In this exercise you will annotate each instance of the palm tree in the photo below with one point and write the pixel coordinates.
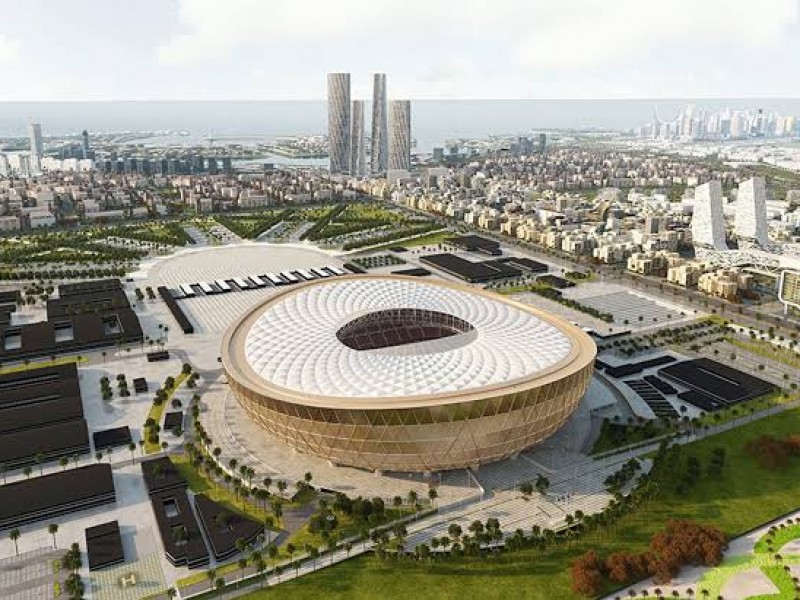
(242, 566)
(269, 521)
(211, 574)
(261, 566)
(39, 459)
(272, 553)
(14, 534)
(432, 495)
(282, 485)
(27, 471)
(64, 462)
(290, 548)
(52, 529)
(172, 592)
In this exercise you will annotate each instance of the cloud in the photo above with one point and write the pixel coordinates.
(494, 48)
(9, 49)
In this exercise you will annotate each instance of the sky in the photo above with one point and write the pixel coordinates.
(51, 50)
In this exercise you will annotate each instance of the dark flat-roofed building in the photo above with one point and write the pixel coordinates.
(158, 356)
(41, 414)
(104, 546)
(51, 442)
(473, 272)
(177, 525)
(85, 316)
(414, 272)
(475, 243)
(35, 397)
(10, 297)
(505, 269)
(140, 385)
(223, 527)
(177, 312)
(173, 420)
(716, 380)
(112, 438)
(634, 368)
(59, 493)
(178, 528)
(526, 264)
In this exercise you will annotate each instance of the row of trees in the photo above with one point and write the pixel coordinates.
(90, 273)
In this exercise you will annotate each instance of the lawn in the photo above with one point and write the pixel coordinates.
(743, 498)
(427, 239)
(156, 410)
(200, 485)
(768, 350)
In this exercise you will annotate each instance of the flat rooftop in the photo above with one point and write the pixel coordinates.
(104, 545)
(58, 493)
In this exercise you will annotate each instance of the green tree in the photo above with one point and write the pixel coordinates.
(14, 534)
(52, 529)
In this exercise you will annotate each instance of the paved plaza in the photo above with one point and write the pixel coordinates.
(224, 262)
(29, 576)
(130, 581)
(625, 305)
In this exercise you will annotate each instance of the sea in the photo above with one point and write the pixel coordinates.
(433, 121)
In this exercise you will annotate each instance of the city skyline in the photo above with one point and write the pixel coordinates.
(680, 49)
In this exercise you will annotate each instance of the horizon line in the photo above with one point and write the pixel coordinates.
(448, 99)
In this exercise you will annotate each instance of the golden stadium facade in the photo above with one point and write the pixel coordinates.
(402, 374)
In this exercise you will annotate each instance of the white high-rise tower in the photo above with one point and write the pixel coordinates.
(708, 221)
(37, 147)
(379, 146)
(400, 135)
(339, 122)
(750, 223)
(358, 146)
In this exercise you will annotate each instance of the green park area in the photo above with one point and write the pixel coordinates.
(420, 240)
(152, 439)
(250, 226)
(742, 497)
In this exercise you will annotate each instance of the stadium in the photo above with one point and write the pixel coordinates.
(393, 373)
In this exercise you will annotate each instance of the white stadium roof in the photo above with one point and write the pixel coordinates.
(293, 343)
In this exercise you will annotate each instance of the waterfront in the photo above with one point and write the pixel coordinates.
(435, 121)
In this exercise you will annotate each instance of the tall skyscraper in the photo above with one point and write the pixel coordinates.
(358, 145)
(339, 122)
(750, 223)
(400, 135)
(379, 146)
(708, 221)
(85, 144)
(37, 147)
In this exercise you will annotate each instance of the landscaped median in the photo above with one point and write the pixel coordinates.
(152, 443)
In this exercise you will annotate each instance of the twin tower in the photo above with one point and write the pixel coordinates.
(750, 222)
(390, 137)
